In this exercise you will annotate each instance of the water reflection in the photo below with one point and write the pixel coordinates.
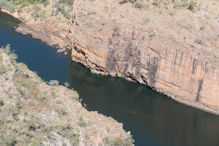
(153, 119)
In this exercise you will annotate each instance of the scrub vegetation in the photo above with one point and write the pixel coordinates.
(33, 112)
(64, 7)
(4, 4)
(168, 4)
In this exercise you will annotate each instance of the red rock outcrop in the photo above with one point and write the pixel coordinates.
(173, 51)
(113, 39)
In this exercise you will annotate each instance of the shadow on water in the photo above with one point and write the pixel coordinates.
(152, 118)
(8, 22)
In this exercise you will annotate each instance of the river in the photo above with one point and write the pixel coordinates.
(152, 118)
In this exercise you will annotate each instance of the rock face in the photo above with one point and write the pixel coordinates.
(175, 51)
(120, 40)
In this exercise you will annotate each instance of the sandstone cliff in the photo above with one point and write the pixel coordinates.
(177, 55)
(171, 48)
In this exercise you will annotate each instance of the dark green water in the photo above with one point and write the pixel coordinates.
(153, 119)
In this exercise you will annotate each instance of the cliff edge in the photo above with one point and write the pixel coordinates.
(174, 50)
(171, 46)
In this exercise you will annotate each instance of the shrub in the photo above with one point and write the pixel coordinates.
(188, 4)
(82, 122)
(13, 57)
(66, 84)
(67, 2)
(32, 125)
(10, 140)
(53, 83)
(27, 2)
(36, 12)
(65, 7)
(14, 111)
(192, 4)
(7, 5)
(1, 102)
(118, 141)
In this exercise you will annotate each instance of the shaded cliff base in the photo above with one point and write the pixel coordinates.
(175, 54)
(172, 49)
(197, 105)
(186, 102)
(33, 112)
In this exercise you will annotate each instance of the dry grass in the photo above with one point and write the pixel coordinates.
(33, 112)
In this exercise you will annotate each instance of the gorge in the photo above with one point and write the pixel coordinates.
(180, 61)
(169, 46)
(152, 118)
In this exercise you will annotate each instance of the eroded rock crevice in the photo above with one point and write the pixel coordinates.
(142, 45)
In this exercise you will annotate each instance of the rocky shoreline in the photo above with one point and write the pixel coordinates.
(33, 112)
(176, 55)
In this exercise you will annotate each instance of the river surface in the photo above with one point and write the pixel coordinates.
(152, 118)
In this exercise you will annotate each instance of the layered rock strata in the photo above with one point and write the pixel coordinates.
(174, 51)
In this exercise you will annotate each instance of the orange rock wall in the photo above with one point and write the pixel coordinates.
(138, 53)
